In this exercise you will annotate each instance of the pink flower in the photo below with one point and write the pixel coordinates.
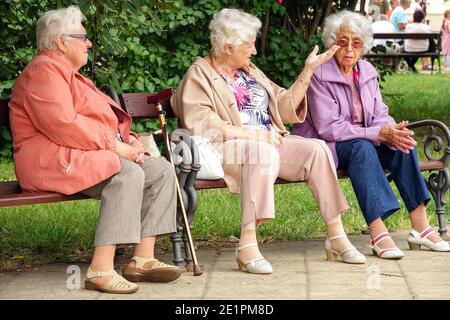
(280, 2)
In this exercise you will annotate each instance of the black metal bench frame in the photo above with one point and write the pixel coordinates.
(436, 36)
(143, 106)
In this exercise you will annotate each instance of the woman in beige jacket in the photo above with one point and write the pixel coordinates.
(229, 100)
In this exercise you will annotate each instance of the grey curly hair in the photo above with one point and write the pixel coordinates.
(55, 23)
(232, 26)
(352, 21)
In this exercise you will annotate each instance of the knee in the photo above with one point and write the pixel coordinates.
(263, 153)
(162, 168)
(319, 148)
(320, 144)
(135, 177)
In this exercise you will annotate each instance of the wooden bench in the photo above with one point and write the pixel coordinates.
(435, 36)
(143, 106)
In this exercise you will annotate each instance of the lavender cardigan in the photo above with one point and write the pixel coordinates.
(330, 104)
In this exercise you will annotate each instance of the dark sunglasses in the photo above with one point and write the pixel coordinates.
(80, 36)
(343, 43)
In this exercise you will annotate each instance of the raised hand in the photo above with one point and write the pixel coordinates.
(314, 60)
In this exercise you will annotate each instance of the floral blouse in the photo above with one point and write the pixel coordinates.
(252, 101)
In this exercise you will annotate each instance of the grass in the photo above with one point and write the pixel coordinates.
(65, 231)
(415, 97)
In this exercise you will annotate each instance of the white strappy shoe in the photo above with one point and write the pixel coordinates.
(117, 284)
(416, 239)
(348, 255)
(259, 266)
(387, 253)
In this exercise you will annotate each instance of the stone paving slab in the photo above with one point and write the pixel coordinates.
(301, 272)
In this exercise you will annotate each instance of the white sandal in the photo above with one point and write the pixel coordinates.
(387, 253)
(348, 255)
(416, 239)
(258, 266)
(117, 284)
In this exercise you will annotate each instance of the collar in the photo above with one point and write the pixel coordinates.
(52, 54)
(329, 72)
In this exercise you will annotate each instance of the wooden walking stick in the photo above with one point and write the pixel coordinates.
(162, 121)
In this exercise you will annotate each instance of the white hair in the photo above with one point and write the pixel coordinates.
(232, 26)
(352, 21)
(55, 23)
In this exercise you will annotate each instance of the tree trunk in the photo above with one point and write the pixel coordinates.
(264, 34)
(318, 12)
(363, 5)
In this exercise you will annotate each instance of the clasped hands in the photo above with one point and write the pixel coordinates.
(398, 135)
(133, 151)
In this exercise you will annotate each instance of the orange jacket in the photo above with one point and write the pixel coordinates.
(63, 128)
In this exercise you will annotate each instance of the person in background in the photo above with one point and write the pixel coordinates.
(226, 98)
(383, 25)
(416, 6)
(420, 5)
(423, 6)
(446, 39)
(69, 137)
(394, 4)
(377, 7)
(399, 18)
(412, 45)
(347, 111)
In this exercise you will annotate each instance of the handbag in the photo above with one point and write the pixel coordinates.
(149, 144)
(210, 164)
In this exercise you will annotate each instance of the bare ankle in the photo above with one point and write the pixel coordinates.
(98, 267)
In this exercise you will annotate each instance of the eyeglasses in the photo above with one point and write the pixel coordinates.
(80, 36)
(343, 43)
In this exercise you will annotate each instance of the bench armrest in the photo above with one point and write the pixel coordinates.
(435, 138)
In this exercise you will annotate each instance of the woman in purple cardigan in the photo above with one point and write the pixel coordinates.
(347, 111)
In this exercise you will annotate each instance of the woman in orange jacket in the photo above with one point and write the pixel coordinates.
(69, 137)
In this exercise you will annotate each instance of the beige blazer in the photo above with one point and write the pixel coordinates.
(206, 106)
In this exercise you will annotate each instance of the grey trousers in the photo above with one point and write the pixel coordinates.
(138, 202)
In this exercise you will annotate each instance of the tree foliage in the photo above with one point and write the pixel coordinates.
(147, 45)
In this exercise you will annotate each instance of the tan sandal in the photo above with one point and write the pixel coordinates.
(158, 272)
(116, 285)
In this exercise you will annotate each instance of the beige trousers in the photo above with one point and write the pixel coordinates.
(295, 159)
(138, 202)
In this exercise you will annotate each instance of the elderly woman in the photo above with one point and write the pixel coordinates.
(347, 111)
(70, 137)
(226, 98)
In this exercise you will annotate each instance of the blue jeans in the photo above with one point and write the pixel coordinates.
(365, 163)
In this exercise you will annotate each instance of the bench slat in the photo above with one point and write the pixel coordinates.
(220, 183)
(10, 187)
(405, 35)
(27, 198)
(401, 55)
(138, 105)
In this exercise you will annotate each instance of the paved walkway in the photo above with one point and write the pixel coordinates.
(300, 272)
